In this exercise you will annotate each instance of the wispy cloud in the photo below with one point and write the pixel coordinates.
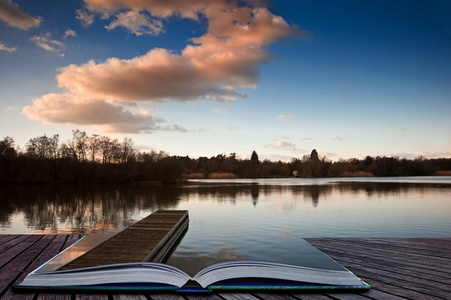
(286, 117)
(162, 9)
(6, 48)
(178, 128)
(337, 138)
(45, 41)
(220, 111)
(137, 22)
(280, 145)
(426, 154)
(11, 14)
(10, 110)
(69, 33)
(85, 18)
(234, 128)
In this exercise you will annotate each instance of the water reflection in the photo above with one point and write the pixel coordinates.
(78, 209)
(81, 209)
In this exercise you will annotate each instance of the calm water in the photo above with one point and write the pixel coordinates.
(353, 207)
(233, 218)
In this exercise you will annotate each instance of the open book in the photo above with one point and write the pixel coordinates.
(221, 276)
(244, 275)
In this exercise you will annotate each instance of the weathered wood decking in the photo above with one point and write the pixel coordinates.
(398, 268)
(147, 240)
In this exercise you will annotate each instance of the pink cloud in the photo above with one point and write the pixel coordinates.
(211, 67)
(137, 22)
(66, 109)
(12, 15)
(158, 8)
(227, 56)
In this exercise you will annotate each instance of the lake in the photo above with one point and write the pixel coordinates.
(232, 218)
(332, 207)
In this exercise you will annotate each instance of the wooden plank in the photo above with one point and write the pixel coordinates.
(128, 297)
(398, 268)
(382, 258)
(438, 246)
(203, 297)
(384, 272)
(56, 296)
(274, 296)
(139, 242)
(165, 296)
(239, 296)
(379, 295)
(314, 296)
(349, 296)
(91, 297)
(13, 247)
(6, 237)
(390, 248)
(15, 268)
(424, 261)
(70, 240)
(389, 288)
(40, 253)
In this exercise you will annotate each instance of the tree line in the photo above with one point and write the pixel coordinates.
(99, 159)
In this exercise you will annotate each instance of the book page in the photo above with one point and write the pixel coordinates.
(192, 260)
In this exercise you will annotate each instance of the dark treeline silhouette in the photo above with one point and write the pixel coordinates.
(99, 159)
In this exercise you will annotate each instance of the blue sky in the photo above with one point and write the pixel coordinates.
(201, 78)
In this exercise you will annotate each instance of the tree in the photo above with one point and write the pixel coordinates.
(127, 151)
(43, 147)
(94, 147)
(7, 147)
(314, 155)
(254, 158)
(79, 145)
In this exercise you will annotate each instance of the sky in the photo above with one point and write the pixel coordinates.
(200, 78)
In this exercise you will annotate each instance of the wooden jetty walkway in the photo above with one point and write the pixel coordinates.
(398, 268)
(150, 239)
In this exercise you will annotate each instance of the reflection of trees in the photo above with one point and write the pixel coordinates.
(77, 208)
(93, 207)
(254, 193)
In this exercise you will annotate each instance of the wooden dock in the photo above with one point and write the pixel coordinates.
(397, 268)
(150, 239)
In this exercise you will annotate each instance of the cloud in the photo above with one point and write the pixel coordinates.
(220, 111)
(46, 42)
(286, 117)
(429, 155)
(287, 146)
(137, 22)
(156, 76)
(70, 32)
(234, 128)
(12, 15)
(211, 67)
(337, 138)
(178, 128)
(234, 45)
(107, 117)
(85, 18)
(163, 9)
(10, 110)
(6, 48)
